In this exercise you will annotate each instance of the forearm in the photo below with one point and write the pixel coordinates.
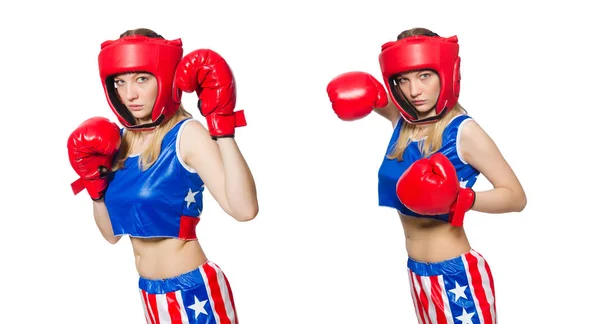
(240, 189)
(103, 222)
(389, 112)
(498, 201)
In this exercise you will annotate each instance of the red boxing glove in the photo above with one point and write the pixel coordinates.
(207, 73)
(430, 187)
(92, 147)
(353, 95)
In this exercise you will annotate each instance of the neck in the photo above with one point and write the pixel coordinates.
(148, 133)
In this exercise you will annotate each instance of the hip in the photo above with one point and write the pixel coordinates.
(202, 295)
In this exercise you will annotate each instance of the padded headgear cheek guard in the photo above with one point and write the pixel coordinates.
(422, 53)
(137, 53)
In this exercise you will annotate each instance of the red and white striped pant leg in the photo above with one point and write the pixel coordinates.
(219, 292)
(481, 284)
(429, 300)
(165, 308)
(459, 290)
(201, 296)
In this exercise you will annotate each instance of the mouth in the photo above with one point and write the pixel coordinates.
(419, 102)
(136, 107)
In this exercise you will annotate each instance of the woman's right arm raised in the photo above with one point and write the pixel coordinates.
(103, 222)
(389, 112)
(354, 95)
(91, 147)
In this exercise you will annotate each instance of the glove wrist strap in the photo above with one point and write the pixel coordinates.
(224, 125)
(464, 202)
(95, 187)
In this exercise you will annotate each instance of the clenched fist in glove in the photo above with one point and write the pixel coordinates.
(430, 187)
(354, 95)
(92, 147)
(207, 73)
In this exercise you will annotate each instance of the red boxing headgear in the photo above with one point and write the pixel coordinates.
(417, 53)
(137, 53)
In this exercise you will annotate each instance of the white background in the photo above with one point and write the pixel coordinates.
(320, 250)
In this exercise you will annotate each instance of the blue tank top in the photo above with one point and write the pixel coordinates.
(391, 169)
(163, 201)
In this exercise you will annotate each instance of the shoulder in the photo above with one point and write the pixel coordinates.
(397, 122)
(469, 128)
(454, 127)
(459, 121)
(474, 139)
(127, 137)
(123, 131)
(193, 136)
(191, 127)
(191, 130)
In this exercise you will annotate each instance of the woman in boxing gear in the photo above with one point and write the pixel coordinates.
(147, 180)
(433, 158)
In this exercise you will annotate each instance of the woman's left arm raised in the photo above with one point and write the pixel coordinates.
(223, 169)
(479, 150)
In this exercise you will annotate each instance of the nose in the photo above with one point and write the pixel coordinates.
(131, 92)
(415, 89)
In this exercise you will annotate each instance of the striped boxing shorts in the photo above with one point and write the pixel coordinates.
(457, 291)
(201, 296)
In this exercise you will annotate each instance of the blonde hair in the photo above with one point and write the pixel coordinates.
(152, 151)
(433, 136)
(149, 155)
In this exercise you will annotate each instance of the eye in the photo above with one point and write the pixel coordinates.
(118, 83)
(425, 75)
(142, 79)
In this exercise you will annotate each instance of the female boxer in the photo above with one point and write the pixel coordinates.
(433, 158)
(160, 163)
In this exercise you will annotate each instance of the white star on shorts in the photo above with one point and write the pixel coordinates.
(458, 292)
(198, 307)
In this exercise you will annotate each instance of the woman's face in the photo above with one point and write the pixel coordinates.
(421, 89)
(137, 92)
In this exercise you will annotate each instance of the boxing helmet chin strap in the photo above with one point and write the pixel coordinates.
(147, 126)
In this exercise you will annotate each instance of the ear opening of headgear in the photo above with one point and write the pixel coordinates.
(422, 52)
(137, 53)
